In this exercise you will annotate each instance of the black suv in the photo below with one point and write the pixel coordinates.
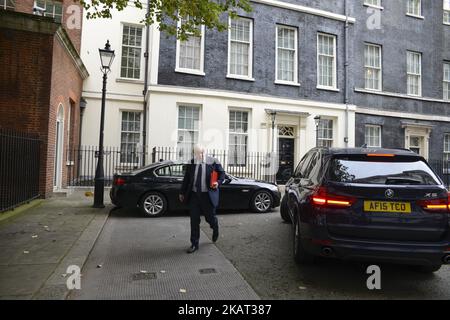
(368, 204)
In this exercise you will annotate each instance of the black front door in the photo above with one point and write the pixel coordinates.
(286, 159)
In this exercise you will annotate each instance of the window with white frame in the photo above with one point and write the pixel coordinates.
(373, 136)
(131, 52)
(7, 4)
(287, 54)
(238, 138)
(53, 9)
(376, 3)
(414, 71)
(188, 130)
(190, 52)
(447, 11)
(416, 144)
(447, 147)
(240, 48)
(326, 60)
(414, 7)
(373, 71)
(325, 133)
(446, 82)
(130, 137)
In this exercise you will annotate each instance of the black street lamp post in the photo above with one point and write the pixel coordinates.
(106, 58)
(317, 121)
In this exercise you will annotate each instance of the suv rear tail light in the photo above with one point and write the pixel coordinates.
(119, 181)
(381, 155)
(321, 198)
(436, 205)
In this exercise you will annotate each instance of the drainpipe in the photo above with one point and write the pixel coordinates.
(83, 105)
(346, 73)
(144, 129)
(273, 117)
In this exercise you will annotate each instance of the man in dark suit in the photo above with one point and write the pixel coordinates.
(200, 195)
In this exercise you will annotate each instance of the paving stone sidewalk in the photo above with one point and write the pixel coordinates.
(38, 245)
(142, 258)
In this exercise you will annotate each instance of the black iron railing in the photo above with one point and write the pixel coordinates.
(83, 162)
(253, 165)
(19, 168)
(442, 169)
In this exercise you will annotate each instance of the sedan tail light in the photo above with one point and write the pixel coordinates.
(119, 181)
(441, 205)
(322, 198)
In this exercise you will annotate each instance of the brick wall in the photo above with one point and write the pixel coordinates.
(26, 60)
(25, 6)
(38, 75)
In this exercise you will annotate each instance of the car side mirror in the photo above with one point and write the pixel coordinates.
(306, 182)
(227, 181)
(296, 180)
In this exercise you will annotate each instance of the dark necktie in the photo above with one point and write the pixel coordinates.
(198, 182)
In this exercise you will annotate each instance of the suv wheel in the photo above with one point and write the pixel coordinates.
(284, 210)
(300, 255)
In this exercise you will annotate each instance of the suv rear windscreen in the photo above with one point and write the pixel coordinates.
(381, 172)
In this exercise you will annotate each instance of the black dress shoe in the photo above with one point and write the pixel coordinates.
(192, 249)
(215, 235)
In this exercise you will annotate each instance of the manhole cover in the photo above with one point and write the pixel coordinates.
(144, 276)
(207, 271)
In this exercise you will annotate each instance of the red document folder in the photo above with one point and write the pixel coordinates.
(214, 178)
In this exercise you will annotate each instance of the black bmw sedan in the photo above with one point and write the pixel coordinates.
(154, 189)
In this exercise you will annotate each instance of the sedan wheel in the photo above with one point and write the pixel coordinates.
(153, 204)
(262, 201)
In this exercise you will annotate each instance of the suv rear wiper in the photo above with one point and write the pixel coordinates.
(397, 180)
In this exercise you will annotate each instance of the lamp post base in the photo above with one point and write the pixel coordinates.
(99, 189)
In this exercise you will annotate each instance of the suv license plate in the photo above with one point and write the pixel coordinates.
(387, 206)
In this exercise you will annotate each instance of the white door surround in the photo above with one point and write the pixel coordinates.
(417, 137)
(59, 148)
(288, 120)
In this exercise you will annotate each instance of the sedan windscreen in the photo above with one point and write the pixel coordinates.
(379, 172)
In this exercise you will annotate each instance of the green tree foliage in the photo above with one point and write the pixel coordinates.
(165, 12)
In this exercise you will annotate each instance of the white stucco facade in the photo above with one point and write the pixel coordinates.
(123, 94)
(214, 106)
